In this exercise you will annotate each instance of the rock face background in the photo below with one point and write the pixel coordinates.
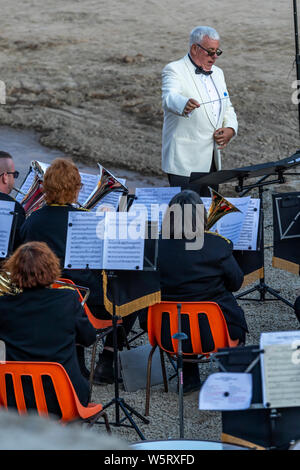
(88, 74)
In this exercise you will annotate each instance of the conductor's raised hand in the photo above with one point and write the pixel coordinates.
(190, 106)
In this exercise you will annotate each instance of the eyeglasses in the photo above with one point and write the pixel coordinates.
(15, 173)
(211, 53)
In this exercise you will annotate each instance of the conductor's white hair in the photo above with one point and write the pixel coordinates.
(198, 33)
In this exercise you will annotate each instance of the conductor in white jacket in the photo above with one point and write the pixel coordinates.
(199, 119)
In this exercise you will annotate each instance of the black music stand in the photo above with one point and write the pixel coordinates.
(10, 247)
(266, 170)
(150, 263)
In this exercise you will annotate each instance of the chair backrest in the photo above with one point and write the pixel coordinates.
(97, 323)
(203, 323)
(68, 401)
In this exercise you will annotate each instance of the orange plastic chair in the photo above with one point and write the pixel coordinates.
(71, 408)
(192, 315)
(102, 327)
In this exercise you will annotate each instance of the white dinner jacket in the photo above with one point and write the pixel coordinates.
(187, 141)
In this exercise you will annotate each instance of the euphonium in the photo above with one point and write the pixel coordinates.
(106, 184)
(34, 198)
(218, 208)
(6, 286)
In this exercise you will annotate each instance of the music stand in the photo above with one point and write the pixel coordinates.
(150, 263)
(266, 170)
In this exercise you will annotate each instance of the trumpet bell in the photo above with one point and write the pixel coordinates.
(218, 208)
(106, 184)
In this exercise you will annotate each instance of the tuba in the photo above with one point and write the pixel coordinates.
(106, 184)
(34, 198)
(218, 208)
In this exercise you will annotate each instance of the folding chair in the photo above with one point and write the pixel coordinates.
(71, 408)
(102, 327)
(202, 322)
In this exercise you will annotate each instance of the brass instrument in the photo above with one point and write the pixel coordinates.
(218, 208)
(6, 286)
(34, 198)
(106, 184)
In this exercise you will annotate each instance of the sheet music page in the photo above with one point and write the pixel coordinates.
(84, 247)
(154, 201)
(89, 182)
(124, 241)
(6, 220)
(280, 368)
(248, 235)
(226, 391)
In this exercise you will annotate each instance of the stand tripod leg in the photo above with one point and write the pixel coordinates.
(117, 401)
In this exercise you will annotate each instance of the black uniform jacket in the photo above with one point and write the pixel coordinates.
(49, 224)
(20, 218)
(208, 274)
(44, 324)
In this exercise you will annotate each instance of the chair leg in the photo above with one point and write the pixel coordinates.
(163, 369)
(148, 385)
(93, 360)
(95, 418)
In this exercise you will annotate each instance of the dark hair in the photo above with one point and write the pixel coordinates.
(5, 154)
(61, 182)
(33, 264)
(174, 219)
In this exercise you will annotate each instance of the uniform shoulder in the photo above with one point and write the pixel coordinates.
(217, 236)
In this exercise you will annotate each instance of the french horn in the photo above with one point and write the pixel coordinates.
(106, 184)
(218, 208)
(34, 198)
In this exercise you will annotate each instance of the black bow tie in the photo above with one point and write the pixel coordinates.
(199, 70)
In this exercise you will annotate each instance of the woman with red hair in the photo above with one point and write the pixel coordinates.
(41, 323)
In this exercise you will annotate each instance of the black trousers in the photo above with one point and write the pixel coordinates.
(184, 182)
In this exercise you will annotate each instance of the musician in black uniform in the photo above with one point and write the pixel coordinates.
(207, 274)
(41, 323)
(8, 174)
(61, 185)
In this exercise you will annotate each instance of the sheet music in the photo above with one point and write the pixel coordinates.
(280, 368)
(6, 220)
(248, 235)
(226, 391)
(154, 201)
(84, 247)
(124, 241)
(105, 240)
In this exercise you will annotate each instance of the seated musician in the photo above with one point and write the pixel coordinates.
(61, 185)
(8, 174)
(207, 274)
(40, 323)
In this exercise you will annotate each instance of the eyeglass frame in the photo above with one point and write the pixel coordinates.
(15, 173)
(218, 52)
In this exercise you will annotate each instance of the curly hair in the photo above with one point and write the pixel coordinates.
(33, 264)
(61, 182)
